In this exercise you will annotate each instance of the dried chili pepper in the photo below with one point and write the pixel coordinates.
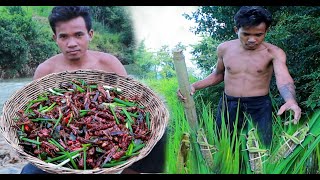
(61, 122)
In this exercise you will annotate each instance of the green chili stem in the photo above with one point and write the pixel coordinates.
(58, 121)
(31, 141)
(85, 155)
(131, 114)
(119, 161)
(114, 114)
(42, 119)
(38, 147)
(93, 86)
(28, 107)
(128, 116)
(84, 110)
(42, 108)
(64, 155)
(40, 99)
(54, 92)
(72, 161)
(49, 108)
(128, 156)
(57, 144)
(130, 148)
(138, 147)
(128, 125)
(148, 120)
(130, 104)
(111, 164)
(80, 89)
(70, 158)
(118, 90)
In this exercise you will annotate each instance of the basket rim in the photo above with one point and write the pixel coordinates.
(128, 163)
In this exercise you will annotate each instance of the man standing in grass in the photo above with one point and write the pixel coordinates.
(246, 66)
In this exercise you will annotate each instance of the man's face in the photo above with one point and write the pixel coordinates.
(252, 37)
(73, 38)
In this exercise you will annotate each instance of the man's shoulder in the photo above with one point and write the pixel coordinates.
(222, 47)
(273, 48)
(103, 56)
(47, 64)
(228, 43)
(46, 67)
(52, 59)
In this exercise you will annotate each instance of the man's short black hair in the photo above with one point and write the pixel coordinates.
(66, 13)
(249, 16)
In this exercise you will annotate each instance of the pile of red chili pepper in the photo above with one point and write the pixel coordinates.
(83, 126)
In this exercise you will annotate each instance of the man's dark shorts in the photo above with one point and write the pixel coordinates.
(258, 107)
(154, 162)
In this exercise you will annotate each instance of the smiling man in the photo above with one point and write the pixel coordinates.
(246, 66)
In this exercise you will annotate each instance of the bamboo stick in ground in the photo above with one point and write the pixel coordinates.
(184, 86)
(189, 105)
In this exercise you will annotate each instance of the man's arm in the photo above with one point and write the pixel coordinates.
(41, 71)
(215, 77)
(113, 64)
(285, 84)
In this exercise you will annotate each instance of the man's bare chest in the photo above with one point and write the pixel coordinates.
(250, 64)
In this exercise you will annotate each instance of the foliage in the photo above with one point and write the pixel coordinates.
(108, 42)
(157, 64)
(204, 53)
(164, 56)
(231, 153)
(19, 45)
(116, 20)
(214, 21)
(145, 65)
(312, 84)
(11, 55)
(303, 55)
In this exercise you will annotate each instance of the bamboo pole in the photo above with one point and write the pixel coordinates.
(189, 107)
(184, 86)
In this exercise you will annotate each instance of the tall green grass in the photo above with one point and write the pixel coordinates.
(231, 156)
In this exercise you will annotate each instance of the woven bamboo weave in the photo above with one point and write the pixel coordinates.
(130, 87)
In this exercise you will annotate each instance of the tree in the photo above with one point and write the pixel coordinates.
(23, 43)
(116, 20)
(144, 64)
(165, 59)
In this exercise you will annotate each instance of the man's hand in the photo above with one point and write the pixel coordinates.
(290, 105)
(181, 97)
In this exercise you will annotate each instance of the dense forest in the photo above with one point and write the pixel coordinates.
(26, 37)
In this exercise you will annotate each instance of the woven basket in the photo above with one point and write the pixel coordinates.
(158, 113)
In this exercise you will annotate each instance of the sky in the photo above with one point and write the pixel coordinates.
(164, 25)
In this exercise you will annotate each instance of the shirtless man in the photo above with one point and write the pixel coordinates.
(246, 66)
(73, 37)
(72, 32)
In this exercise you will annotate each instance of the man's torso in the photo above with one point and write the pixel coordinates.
(247, 73)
